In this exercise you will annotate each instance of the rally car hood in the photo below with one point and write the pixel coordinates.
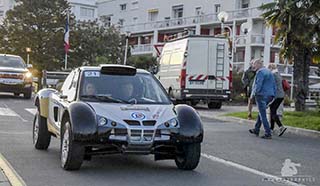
(118, 113)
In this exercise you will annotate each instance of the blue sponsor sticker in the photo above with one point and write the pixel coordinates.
(138, 115)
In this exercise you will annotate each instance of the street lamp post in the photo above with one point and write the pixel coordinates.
(245, 28)
(28, 50)
(128, 34)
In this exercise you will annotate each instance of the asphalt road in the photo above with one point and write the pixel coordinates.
(230, 156)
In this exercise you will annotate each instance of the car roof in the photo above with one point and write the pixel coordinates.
(10, 55)
(85, 68)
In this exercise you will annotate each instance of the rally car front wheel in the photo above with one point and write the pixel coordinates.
(189, 156)
(41, 135)
(72, 153)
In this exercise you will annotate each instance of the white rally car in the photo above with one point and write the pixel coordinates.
(116, 109)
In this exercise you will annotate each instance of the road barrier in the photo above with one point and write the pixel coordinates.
(49, 79)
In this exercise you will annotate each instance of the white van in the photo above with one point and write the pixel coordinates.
(197, 68)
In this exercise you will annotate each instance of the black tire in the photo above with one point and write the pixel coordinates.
(194, 103)
(41, 135)
(214, 105)
(71, 153)
(16, 94)
(189, 157)
(27, 95)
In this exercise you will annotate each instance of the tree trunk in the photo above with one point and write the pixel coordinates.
(301, 78)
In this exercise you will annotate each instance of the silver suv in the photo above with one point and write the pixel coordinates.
(15, 76)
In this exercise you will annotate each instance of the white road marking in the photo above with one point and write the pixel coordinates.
(6, 111)
(32, 111)
(275, 179)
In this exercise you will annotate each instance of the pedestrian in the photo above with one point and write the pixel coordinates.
(247, 81)
(279, 97)
(263, 90)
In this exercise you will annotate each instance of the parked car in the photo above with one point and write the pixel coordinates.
(116, 109)
(15, 76)
(196, 68)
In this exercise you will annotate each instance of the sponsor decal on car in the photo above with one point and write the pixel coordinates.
(138, 115)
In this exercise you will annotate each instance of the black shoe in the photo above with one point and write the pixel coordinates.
(282, 130)
(266, 137)
(253, 131)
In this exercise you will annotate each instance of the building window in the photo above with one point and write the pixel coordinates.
(135, 5)
(217, 8)
(198, 11)
(86, 12)
(245, 3)
(177, 11)
(1, 13)
(123, 7)
(121, 22)
(106, 20)
(153, 15)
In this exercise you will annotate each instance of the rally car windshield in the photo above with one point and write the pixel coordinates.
(138, 89)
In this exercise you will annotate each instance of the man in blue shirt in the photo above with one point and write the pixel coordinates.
(264, 90)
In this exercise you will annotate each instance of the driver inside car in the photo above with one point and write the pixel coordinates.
(89, 89)
(126, 90)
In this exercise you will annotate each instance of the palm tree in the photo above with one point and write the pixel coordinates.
(298, 33)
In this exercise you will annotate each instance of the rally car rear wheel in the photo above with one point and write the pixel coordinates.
(41, 136)
(189, 157)
(72, 153)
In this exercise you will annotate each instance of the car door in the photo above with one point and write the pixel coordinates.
(57, 104)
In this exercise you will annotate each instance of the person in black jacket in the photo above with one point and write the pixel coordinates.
(247, 81)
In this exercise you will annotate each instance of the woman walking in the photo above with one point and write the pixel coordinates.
(274, 118)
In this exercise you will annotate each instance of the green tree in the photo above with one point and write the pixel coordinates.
(37, 24)
(92, 44)
(298, 31)
(142, 61)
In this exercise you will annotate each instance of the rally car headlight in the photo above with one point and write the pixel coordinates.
(28, 75)
(173, 122)
(102, 121)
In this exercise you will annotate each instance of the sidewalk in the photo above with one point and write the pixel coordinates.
(220, 115)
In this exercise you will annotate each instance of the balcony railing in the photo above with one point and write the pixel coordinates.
(189, 21)
(240, 40)
(142, 49)
(257, 39)
(287, 69)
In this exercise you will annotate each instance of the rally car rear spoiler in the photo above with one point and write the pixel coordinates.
(118, 70)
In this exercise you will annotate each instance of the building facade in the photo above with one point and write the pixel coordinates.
(84, 10)
(150, 21)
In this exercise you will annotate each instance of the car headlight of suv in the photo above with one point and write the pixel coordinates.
(172, 122)
(28, 75)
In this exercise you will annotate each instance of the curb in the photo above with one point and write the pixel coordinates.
(11, 177)
(292, 130)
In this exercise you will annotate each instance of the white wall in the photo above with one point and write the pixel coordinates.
(112, 7)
